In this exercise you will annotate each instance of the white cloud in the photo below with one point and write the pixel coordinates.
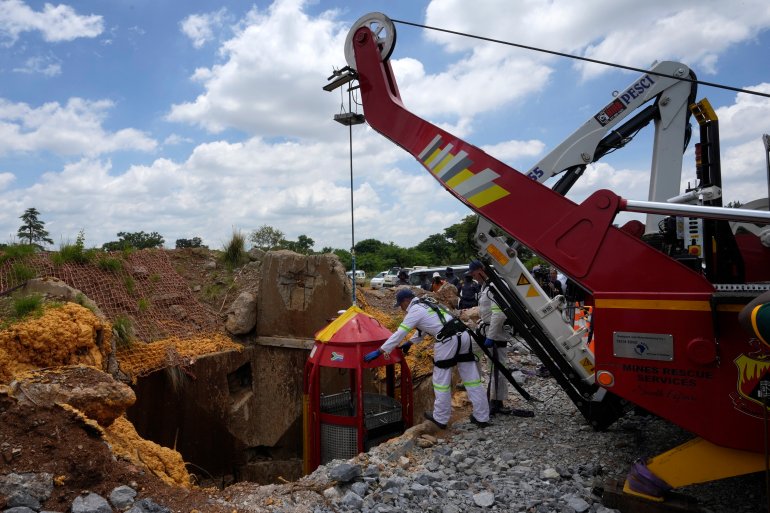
(299, 188)
(623, 31)
(747, 117)
(47, 66)
(6, 179)
(270, 80)
(55, 23)
(174, 139)
(480, 83)
(71, 129)
(510, 151)
(200, 27)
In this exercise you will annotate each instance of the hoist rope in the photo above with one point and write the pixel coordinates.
(586, 59)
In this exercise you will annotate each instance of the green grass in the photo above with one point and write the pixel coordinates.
(74, 253)
(111, 264)
(25, 305)
(143, 304)
(129, 283)
(123, 329)
(16, 252)
(21, 272)
(212, 290)
(234, 252)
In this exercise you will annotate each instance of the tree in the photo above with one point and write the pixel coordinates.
(195, 242)
(32, 228)
(266, 237)
(462, 234)
(368, 246)
(303, 245)
(136, 240)
(438, 247)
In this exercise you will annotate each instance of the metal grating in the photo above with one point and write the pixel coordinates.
(341, 442)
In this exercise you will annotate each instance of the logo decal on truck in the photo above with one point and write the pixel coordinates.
(610, 112)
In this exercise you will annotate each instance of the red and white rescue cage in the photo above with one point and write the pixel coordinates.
(351, 414)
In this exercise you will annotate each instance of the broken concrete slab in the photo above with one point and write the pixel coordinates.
(299, 294)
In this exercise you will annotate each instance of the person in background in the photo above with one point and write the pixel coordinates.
(438, 282)
(450, 277)
(454, 350)
(554, 285)
(469, 292)
(403, 278)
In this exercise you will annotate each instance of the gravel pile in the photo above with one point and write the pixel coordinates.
(552, 462)
(25, 493)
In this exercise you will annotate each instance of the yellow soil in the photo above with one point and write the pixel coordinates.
(143, 359)
(165, 463)
(64, 335)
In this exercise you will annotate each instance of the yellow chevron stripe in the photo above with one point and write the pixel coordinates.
(459, 178)
(443, 163)
(432, 156)
(654, 304)
(487, 196)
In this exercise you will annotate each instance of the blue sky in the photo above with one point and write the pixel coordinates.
(196, 119)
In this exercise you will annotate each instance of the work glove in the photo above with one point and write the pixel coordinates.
(489, 342)
(406, 346)
(368, 357)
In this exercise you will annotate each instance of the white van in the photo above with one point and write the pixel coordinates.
(360, 276)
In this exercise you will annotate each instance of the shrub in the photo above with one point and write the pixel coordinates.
(111, 264)
(25, 305)
(235, 251)
(75, 253)
(21, 272)
(17, 252)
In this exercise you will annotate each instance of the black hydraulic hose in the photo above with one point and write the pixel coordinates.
(499, 366)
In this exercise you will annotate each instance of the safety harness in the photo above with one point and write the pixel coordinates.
(452, 328)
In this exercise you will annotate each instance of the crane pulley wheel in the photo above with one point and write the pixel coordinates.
(382, 27)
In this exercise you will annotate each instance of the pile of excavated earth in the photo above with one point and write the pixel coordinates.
(66, 443)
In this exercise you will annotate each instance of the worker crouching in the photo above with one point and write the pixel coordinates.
(452, 347)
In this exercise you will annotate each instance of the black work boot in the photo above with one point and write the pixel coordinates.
(496, 406)
(429, 415)
(478, 422)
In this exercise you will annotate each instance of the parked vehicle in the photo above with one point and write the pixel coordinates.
(360, 276)
(391, 277)
(422, 277)
(378, 281)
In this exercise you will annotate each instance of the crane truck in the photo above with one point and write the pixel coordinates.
(665, 296)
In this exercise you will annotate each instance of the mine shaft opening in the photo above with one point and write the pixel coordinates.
(176, 408)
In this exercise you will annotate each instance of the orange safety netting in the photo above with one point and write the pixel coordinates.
(145, 288)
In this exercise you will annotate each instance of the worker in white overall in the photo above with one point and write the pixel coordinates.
(492, 321)
(427, 319)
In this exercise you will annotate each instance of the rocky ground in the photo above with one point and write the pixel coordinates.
(53, 460)
(552, 462)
